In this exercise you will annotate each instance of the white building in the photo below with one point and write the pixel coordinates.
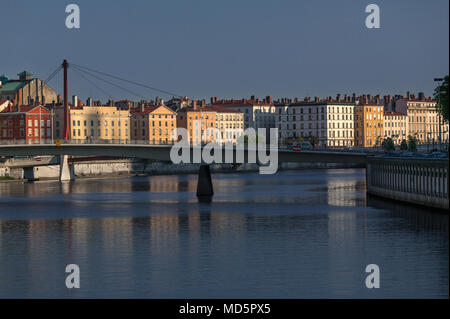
(331, 122)
(395, 126)
(257, 114)
(423, 118)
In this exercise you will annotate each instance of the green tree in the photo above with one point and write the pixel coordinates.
(313, 140)
(412, 144)
(388, 144)
(404, 145)
(443, 98)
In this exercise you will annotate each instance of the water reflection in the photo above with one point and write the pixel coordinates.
(296, 235)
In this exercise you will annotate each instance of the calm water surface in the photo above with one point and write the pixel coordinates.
(296, 234)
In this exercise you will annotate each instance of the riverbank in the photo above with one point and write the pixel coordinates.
(122, 168)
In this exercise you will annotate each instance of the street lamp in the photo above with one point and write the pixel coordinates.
(439, 103)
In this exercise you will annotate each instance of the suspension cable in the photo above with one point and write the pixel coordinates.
(111, 83)
(129, 81)
(93, 83)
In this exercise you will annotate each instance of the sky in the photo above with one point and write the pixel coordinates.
(233, 48)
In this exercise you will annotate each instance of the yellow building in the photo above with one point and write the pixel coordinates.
(369, 131)
(198, 121)
(94, 124)
(153, 124)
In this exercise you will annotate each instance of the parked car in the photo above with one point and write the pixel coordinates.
(301, 146)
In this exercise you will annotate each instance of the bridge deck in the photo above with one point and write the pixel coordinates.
(162, 152)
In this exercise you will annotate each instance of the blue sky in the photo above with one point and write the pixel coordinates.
(233, 48)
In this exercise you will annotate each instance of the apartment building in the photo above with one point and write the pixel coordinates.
(94, 123)
(257, 113)
(229, 122)
(329, 121)
(395, 126)
(369, 131)
(29, 124)
(197, 121)
(153, 124)
(423, 118)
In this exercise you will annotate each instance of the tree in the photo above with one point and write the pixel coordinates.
(313, 140)
(412, 144)
(388, 144)
(443, 98)
(404, 145)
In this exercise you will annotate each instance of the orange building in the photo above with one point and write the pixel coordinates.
(153, 124)
(369, 129)
(197, 121)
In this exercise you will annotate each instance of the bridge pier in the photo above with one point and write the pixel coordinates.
(65, 171)
(205, 190)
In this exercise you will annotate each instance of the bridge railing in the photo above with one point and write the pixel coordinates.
(420, 181)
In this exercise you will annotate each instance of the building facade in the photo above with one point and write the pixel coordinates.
(330, 123)
(153, 124)
(229, 123)
(257, 113)
(395, 126)
(29, 124)
(369, 131)
(198, 121)
(423, 119)
(94, 124)
(27, 90)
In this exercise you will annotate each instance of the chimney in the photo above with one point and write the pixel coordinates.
(338, 97)
(316, 99)
(252, 97)
(408, 95)
(194, 105)
(74, 100)
(212, 100)
(268, 99)
(58, 99)
(421, 96)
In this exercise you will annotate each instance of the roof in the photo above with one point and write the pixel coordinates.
(13, 85)
(221, 109)
(25, 73)
(238, 103)
(21, 109)
(323, 102)
(370, 104)
(4, 78)
(198, 109)
(391, 113)
(149, 109)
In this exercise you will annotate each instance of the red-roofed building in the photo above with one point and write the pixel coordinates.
(29, 124)
(153, 124)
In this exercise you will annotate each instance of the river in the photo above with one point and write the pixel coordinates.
(296, 234)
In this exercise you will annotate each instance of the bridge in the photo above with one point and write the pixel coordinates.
(163, 153)
(404, 179)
